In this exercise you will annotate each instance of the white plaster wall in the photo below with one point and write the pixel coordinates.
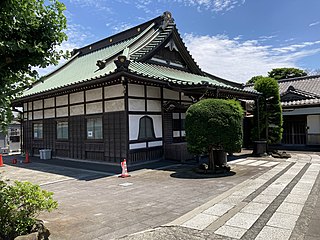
(176, 133)
(134, 125)
(29, 106)
(136, 90)
(313, 122)
(94, 94)
(136, 105)
(114, 105)
(154, 105)
(49, 102)
(62, 100)
(92, 108)
(37, 105)
(175, 115)
(77, 110)
(77, 97)
(114, 91)
(30, 116)
(185, 98)
(25, 116)
(302, 111)
(62, 112)
(153, 92)
(49, 113)
(38, 114)
(169, 94)
(137, 145)
(25, 106)
(155, 144)
(157, 124)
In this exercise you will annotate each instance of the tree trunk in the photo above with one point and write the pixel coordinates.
(211, 164)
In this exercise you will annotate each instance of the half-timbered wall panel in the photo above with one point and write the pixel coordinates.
(135, 90)
(153, 92)
(92, 108)
(62, 112)
(77, 110)
(154, 106)
(94, 94)
(170, 94)
(49, 102)
(114, 105)
(137, 105)
(62, 100)
(37, 105)
(49, 113)
(113, 91)
(38, 114)
(77, 97)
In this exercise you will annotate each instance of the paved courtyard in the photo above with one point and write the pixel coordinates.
(263, 198)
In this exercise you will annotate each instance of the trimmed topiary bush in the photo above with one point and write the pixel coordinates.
(214, 124)
(270, 111)
(20, 204)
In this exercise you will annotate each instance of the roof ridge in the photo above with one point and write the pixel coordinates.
(300, 78)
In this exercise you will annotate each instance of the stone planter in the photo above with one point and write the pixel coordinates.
(260, 148)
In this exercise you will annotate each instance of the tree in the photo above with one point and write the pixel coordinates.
(254, 79)
(20, 204)
(270, 111)
(30, 32)
(214, 124)
(284, 73)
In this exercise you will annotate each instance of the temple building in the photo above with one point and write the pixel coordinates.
(123, 97)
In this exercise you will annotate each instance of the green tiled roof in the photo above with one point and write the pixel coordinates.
(82, 67)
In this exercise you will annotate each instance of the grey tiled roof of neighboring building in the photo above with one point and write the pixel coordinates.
(308, 86)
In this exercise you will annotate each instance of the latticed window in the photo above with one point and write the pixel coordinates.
(94, 128)
(62, 130)
(37, 130)
(146, 129)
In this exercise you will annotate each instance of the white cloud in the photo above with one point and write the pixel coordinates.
(101, 5)
(314, 24)
(214, 5)
(240, 60)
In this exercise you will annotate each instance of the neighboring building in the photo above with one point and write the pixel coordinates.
(11, 142)
(122, 97)
(300, 99)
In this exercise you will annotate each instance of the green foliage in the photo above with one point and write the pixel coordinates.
(270, 111)
(254, 79)
(284, 73)
(30, 32)
(20, 204)
(214, 124)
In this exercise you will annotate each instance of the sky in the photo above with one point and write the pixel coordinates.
(232, 39)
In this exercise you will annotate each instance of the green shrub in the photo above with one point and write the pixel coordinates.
(20, 204)
(214, 124)
(270, 111)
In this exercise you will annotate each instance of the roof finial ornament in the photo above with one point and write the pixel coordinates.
(122, 63)
(166, 19)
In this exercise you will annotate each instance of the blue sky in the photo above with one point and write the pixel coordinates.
(233, 39)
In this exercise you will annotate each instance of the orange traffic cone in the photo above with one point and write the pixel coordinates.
(124, 173)
(27, 158)
(1, 161)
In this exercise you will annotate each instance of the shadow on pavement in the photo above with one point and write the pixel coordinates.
(191, 174)
(81, 170)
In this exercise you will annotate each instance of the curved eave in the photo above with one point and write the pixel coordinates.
(70, 87)
(186, 85)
